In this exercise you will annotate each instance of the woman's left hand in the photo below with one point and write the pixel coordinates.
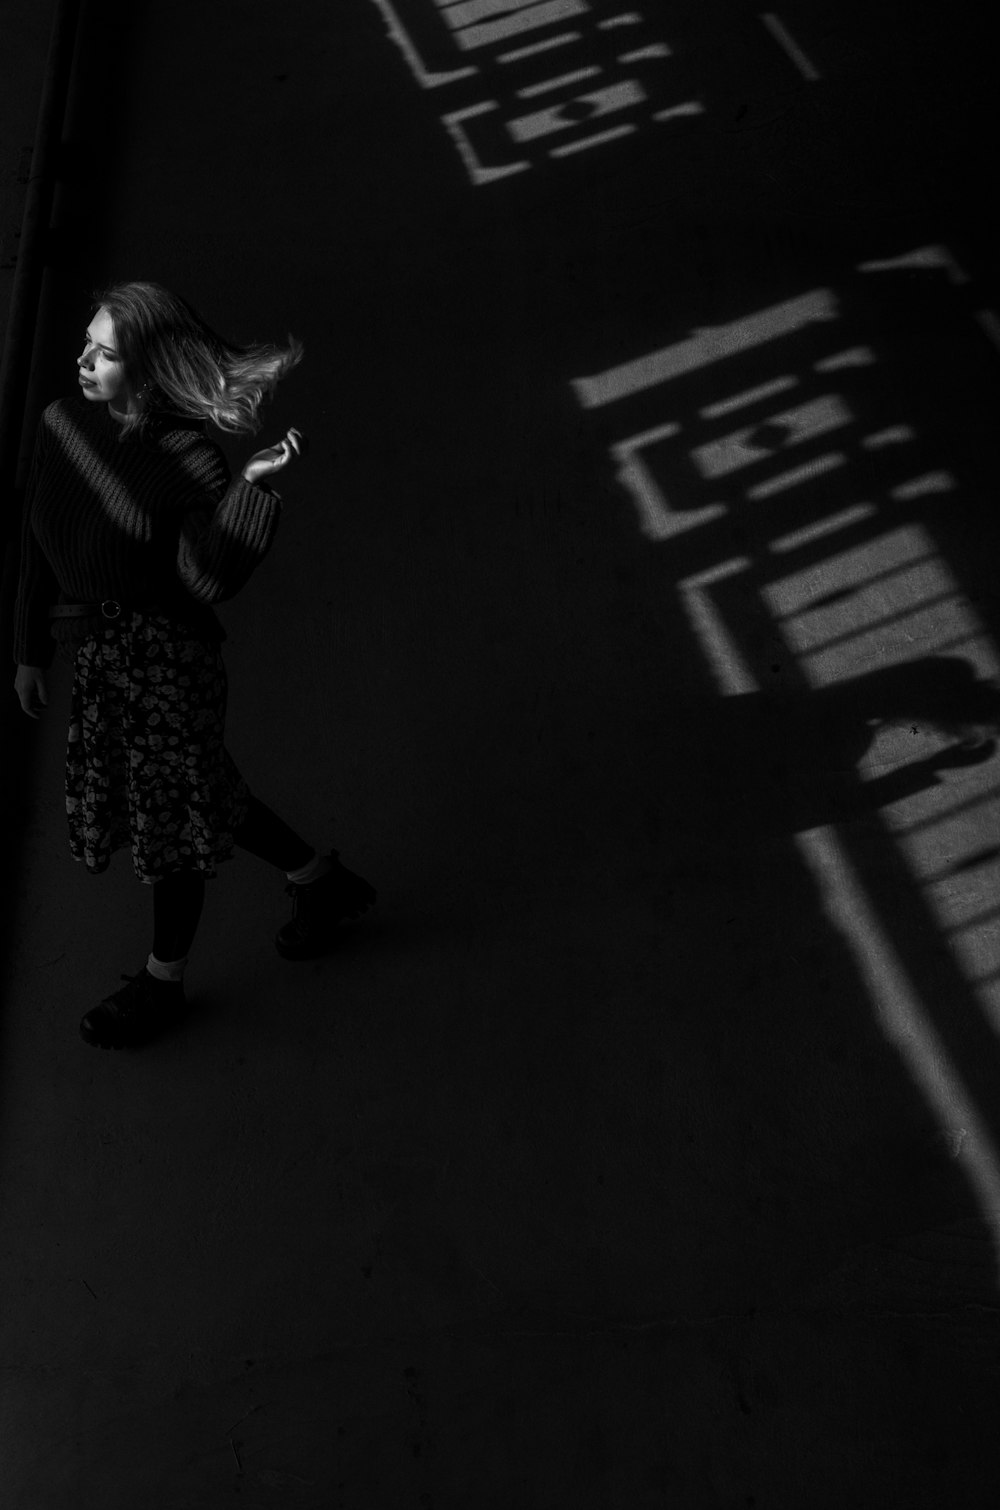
(264, 463)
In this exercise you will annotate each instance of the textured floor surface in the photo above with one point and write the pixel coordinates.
(632, 624)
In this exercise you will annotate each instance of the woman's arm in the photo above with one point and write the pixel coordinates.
(228, 527)
(32, 693)
(264, 465)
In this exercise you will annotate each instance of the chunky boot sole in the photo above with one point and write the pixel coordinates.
(318, 910)
(135, 1015)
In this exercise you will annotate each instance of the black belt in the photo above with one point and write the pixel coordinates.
(108, 608)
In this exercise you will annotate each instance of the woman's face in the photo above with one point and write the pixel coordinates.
(102, 378)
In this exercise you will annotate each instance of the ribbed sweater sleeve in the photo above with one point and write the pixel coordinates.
(227, 527)
(151, 522)
(37, 587)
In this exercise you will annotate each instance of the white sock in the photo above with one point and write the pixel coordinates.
(318, 866)
(171, 969)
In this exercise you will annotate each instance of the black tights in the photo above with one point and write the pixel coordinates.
(179, 898)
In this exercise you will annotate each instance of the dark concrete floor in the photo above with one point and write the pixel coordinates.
(639, 1150)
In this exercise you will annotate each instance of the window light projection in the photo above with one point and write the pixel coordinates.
(784, 38)
(887, 600)
(484, 23)
(796, 477)
(904, 1019)
(706, 346)
(924, 259)
(612, 75)
(778, 431)
(751, 396)
(846, 361)
(786, 428)
(843, 519)
(896, 1000)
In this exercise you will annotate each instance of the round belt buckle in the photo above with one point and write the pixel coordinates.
(111, 608)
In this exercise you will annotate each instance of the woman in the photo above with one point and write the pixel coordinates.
(132, 529)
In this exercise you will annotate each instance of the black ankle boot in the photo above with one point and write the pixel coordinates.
(318, 907)
(135, 1014)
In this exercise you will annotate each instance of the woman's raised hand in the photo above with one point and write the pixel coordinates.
(29, 684)
(264, 463)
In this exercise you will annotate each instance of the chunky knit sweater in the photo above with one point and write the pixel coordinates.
(153, 522)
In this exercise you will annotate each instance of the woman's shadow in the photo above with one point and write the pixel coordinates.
(803, 754)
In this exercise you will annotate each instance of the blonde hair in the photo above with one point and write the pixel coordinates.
(174, 362)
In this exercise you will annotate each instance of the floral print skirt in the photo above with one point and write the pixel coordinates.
(146, 764)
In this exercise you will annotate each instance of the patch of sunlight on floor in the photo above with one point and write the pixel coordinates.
(865, 608)
(904, 1020)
